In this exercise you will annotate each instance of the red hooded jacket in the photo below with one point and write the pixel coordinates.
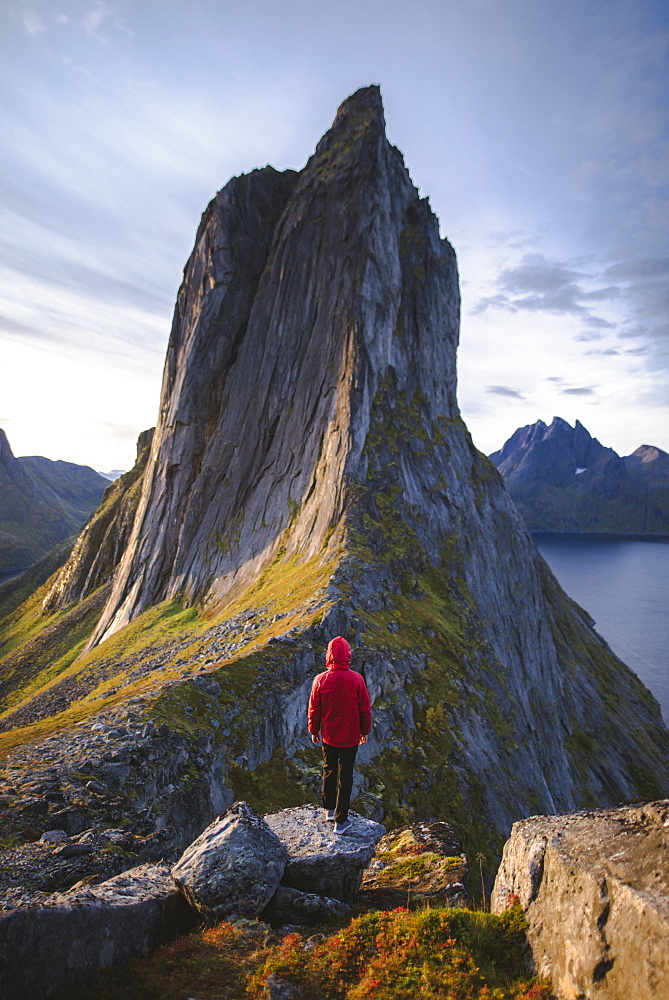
(339, 707)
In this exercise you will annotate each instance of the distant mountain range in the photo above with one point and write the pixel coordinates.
(41, 503)
(112, 475)
(563, 479)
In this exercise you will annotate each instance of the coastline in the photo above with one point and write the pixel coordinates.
(605, 535)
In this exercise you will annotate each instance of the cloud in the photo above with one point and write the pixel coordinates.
(93, 18)
(32, 23)
(504, 390)
(585, 390)
(639, 269)
(119, 432)
(597, 323)
(538, 284)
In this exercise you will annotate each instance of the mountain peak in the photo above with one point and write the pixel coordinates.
(366, 101)
(563, 479)
(307, 299)
(649, 453)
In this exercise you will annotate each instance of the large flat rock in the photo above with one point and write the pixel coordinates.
(320, 861)
(595, 889)
(67, 939)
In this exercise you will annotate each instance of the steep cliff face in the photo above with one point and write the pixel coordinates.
(562, 479)
(310, 474)
(302, 294)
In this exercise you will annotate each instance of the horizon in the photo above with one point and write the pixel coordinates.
(119, 471)
(539, 137)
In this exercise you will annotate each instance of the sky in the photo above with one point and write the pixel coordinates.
(537, 128)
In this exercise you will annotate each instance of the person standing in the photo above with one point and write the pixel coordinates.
(340, 718)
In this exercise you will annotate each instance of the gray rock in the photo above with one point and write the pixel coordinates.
(67, 940)
(279, 989)
(234, 867)
(318, 860)
(209, 685)
(595, 890)
(290, 906)
(74, 850)
(116, 775)
(97, 787)
(54, 837)
(72, 819)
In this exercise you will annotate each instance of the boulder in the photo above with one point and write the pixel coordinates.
(319, 861)
(290, 906)
(234, 868)
(279, 989)
(66, 940)
(416, 865)
(595, 890)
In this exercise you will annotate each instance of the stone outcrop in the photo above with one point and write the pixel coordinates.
(68, 939)
(231, 871)
(562, 479)
(595, 890)
(318, 861)
(305, 297)
(41, 504)
(233, 868)
(291, 906)
(417, 865)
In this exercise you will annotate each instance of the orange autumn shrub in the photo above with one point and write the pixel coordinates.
(442, 953)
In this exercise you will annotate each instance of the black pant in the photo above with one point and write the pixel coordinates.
(338, 779)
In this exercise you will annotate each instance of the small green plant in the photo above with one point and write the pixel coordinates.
(481, 858)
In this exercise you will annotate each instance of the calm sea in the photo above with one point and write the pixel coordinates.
(624, 584)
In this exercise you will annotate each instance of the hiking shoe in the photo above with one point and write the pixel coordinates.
(329, 815)
(343, 827)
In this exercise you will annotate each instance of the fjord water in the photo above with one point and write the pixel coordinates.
(624, 584)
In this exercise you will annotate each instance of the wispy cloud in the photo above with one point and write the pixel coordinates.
(95, 17)
(32, 22)
(538, 284)
(504, 390)
(586, 390)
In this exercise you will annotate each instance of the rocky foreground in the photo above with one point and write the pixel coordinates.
(243, 866)
(593, 887)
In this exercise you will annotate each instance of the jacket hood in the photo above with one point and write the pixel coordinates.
(338, 654)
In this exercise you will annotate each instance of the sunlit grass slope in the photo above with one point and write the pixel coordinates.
(40, 652)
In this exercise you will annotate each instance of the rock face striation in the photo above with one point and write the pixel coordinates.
(41, 503)
(310, 475)
(595, 890)
(562, 479)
